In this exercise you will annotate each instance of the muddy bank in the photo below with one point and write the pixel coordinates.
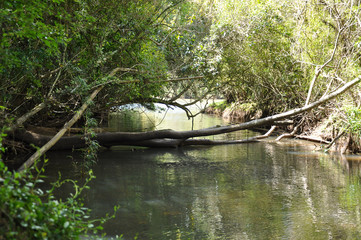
(342, 140)
(329, 129)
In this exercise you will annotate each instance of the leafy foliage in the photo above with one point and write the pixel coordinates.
(59, 50)
(263, 52)
(250, 55)
(353, 125)
(29, 213)
(353, 115)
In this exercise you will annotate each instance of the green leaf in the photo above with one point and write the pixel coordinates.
(66, 224)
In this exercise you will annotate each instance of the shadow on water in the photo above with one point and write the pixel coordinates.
(251, 191)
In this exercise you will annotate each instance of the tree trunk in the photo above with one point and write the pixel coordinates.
(161, 138)
(168, 137)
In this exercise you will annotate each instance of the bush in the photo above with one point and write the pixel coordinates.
(26, 212)
(353, 115)
(353, 127)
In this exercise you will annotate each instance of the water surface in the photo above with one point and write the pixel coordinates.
(265, 190)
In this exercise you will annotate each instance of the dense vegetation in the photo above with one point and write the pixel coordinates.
(264, 52)
(273, 55)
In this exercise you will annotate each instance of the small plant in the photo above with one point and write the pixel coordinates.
(2, 136)
(353, 115)
(27, 212)
(219, 105)
(90, 152)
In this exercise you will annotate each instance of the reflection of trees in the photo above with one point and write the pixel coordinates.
(312, 192)
(131, 120)
(206, 212)
(259, 191)
(294, 196)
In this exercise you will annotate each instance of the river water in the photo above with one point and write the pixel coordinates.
(265, 190)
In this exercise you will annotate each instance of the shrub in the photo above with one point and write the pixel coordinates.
(26, 212)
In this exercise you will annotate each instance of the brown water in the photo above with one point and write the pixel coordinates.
(265, 190)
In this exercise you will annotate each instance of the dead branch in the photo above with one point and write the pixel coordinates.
(335, 139)
(318, 69)
(312, 139)
(287, 135)
(28, 115)
(267, 134)
(117, 81)
(56, 138)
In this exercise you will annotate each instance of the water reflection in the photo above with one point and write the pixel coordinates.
(252, 191)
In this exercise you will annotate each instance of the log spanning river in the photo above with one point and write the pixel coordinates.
(266, 190)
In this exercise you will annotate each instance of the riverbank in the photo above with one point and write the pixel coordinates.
(339, 132)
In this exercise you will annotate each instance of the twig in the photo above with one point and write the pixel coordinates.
(28, 115)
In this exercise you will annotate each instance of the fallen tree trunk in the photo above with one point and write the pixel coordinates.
(109, 139)
(161, 138)
(171, 138)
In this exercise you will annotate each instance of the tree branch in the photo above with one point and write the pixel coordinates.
(28, 115)
(318, 69)
(56, 138)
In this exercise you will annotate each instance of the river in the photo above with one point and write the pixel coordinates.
(265, 190)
